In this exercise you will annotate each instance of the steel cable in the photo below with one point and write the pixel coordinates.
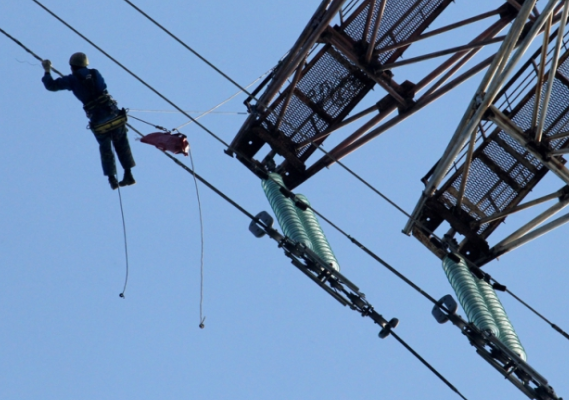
(353, 240)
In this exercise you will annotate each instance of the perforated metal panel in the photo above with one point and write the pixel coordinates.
(331, 84)
(400, 20)
(502, 171)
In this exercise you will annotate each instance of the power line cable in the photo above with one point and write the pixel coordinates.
(434, 371)
(140, 110)
(345, 167)
(226, 100)
(188, 47)
(255, 219)
(27, 50)
(131, 73)
(255, 167)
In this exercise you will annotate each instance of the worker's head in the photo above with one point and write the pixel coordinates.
(78, 60)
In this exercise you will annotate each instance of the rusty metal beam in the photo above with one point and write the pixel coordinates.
(342, 43)
(456, 59)
(459, 59)
(365, 33)
(501, 67)
(531, 225)
(437, 32)
(373, 38)
(531, 236)
(517, 134)
(334, 128)
(522, 207)
(301, 49)
(541, 72)
(290, 89)
(466, 169)
(552, 71)
(423, 102)
(319, 19)
(442, 53)
(352, 143)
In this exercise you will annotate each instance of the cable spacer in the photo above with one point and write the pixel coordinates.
(388, 327)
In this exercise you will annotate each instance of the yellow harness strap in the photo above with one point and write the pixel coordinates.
(119, 120)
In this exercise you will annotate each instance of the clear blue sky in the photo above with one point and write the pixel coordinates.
(270, 332)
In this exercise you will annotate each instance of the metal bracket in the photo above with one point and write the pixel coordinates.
(322, 273)
(490, 348)
(266, 219)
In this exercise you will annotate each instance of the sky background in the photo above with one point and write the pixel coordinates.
(270, 332)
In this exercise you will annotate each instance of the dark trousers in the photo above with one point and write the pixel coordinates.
(119, 140)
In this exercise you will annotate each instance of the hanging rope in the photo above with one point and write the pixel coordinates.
(125, 244)
(226, 100)
(223, 142)
(202, 317)
(353, 240)
(188, 111)
(119, 191)
(250, 216)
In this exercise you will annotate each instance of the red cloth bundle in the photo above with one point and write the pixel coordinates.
(176, 143)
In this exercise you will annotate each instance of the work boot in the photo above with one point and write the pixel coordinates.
(113, 182)
(127, 179)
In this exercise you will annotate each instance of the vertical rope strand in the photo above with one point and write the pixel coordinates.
(125, 244)
(202, 318)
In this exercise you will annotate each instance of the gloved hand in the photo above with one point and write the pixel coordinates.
(46, 64)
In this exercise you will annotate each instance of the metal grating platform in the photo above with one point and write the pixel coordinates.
(331, 84)
(502, 172)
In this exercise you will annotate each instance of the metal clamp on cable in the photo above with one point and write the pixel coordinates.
(490, 348)
(322, 273)
(263, 225)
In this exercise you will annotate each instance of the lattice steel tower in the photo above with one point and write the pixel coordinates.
(506, 142)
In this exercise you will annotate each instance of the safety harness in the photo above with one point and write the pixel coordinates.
(101, 101)
(118, 121)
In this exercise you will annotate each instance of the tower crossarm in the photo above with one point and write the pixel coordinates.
(492, 179)
(330, 69)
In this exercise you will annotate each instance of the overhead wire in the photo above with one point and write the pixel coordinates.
(132, 73)
(189, 48)
(352, 239)
(194, 120)
(226, 100)
(256, 220)
(188, 111)
(350, 171)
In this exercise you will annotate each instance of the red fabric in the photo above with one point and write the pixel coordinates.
(176, 143)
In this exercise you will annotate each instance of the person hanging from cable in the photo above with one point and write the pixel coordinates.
(106, 121)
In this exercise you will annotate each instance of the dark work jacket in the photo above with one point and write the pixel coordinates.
(86, 84)
(75, 82)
